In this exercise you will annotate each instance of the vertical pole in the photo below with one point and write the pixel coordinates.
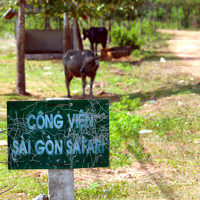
(66, 32)
(140, 21)
(16, 27)
(20, 66)
(60, 181)
(75, 44)
(78, 36)
(109, 29)
(90, 21)
(103, 23)
(61, 184)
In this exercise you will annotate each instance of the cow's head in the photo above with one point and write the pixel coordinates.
(90, 65)
(85, 33)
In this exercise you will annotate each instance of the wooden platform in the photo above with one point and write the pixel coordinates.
(44, 56)
(115, 52)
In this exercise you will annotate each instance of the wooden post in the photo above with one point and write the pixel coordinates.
(103, 23)
(109, 29)
(75, 44)
(78, 36)
(60, 181)
(20, 66)
(66, 34)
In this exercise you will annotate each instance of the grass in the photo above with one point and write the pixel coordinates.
(169, 102)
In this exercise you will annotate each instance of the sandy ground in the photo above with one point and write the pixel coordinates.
(186, 46)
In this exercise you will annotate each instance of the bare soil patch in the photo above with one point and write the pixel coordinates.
(136, 172)
(186, 46)
(7, 45)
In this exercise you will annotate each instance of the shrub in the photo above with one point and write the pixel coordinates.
(6, 28)
(123, 37)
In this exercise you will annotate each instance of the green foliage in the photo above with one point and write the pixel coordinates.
(124, 128)
(179, 13)
(136, 36)
(167, 127)
(6, 27)
(123, 37)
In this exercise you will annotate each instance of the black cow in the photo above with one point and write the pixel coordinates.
(96, 35)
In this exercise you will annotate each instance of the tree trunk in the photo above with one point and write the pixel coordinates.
(35, 20)
(193, 21)
(109, 29)
(75, 45)
(119, 23)
(20, 66)
(103, 23)
(79, 39)
(186, 17)
(154, 26)
(60, 23)
(140, 22)
(127, 25)
(66, 34)
(47, 23)
(90, 21)
(168, 15)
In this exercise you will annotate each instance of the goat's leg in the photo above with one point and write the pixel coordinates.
(83, 76)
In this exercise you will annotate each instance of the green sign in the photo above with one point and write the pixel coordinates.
(58, 134)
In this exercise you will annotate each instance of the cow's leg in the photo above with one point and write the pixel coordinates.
(103, 44)
(91, 86)
(68, 78)
(92, 46)
(96, 48)
(83, 76)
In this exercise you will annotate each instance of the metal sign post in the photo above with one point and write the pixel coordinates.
(58, 134)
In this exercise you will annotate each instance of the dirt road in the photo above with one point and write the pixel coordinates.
(186, 46)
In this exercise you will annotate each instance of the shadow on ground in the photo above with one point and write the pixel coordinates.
(113, 97)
